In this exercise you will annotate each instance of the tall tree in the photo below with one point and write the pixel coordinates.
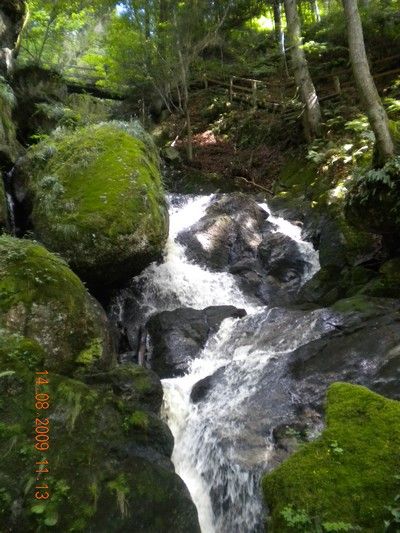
(308, 94)
(365, 82)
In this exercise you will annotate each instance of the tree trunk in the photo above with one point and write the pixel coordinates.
(279, 36)
(315, 10)
(365, 82)
(279, 33)
(308, 94)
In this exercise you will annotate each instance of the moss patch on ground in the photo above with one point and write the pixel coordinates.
(98, 199)
(41, 298)
(348, 474)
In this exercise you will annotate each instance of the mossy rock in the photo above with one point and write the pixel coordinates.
(347, 475)
(101, 476)
(98, 200)
(34, 86)
(88, 109)
(9, 147)
(41, 298)
(332, 283)
(136, 385)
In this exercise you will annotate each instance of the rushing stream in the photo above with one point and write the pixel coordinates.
(220, 449)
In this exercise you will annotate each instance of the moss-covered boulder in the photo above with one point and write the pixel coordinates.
(97, 199)
(108, 466)
(348, 476)
(43, 300)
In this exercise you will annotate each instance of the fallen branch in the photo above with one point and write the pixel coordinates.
(250, 182)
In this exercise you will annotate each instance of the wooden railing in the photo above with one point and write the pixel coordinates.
(261, 93)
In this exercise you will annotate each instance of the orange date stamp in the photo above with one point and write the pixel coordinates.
(42, 434)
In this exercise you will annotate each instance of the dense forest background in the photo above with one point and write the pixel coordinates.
(180, 58)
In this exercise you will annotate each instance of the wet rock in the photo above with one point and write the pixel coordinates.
(202, 387)
(281, 258)
(230, 232)
(355, 341)
(178, 336)
(236, 236)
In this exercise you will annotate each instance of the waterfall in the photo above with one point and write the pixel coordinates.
(10, 204)
(220, 449)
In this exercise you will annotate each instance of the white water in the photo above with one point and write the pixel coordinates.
(179, 283)
(218, 446)
(11, 212)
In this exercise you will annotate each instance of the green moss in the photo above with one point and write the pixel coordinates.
(92, 353)
(348, 474)
(298, 177)
(138, 419)
(359, 303)
(41, 298)
(98, 199)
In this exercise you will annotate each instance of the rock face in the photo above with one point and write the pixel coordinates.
(103, 418)
(96, 198)
(9, 147)
(345, 475)
(109, 426)
(12, 14)
(44, 301)
(40, 95)
(178, 336)
(236, 236)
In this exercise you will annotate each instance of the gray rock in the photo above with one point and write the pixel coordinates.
(178, 336)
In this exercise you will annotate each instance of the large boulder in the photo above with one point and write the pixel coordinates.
(235, 235)
(178, 336)
(231, 230)
(345, 477)
(108, 466)
(42, 299)
(96, 198)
